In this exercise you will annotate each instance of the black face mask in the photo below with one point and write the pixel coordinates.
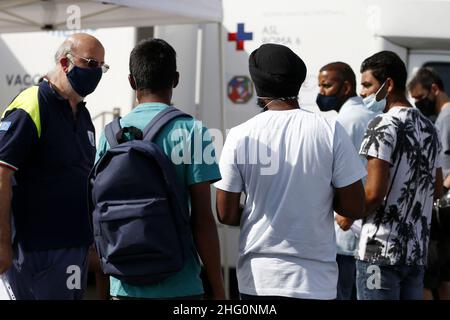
(84, 80)
(427, 107)
(328, 103)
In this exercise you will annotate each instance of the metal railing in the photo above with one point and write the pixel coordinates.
(102, 115)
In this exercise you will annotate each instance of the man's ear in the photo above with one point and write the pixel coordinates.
(385, 90)
(132, 82)
(347, 88)
(435, 89)
(65, 64)
(176, 80)
(389, 85)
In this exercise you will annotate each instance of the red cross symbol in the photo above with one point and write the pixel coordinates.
(240, 36)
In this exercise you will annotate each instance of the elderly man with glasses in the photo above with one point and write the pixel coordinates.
(47, 148)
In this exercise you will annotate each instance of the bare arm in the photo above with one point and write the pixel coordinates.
(5, 218)
(349, 201)
(377, 183)
(228, 208)
(205, 236)
(438, 190)
(376, 188)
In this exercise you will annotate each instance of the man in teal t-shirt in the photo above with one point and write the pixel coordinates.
(188, 144)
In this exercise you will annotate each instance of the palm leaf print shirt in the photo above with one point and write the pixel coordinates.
(398, 232)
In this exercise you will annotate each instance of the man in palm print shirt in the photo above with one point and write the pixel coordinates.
(402, 148)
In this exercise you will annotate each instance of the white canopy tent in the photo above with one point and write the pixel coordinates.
(35, 15)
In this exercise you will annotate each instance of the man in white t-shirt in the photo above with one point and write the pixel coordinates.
(294, 167)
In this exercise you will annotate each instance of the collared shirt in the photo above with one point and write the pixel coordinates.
(52, 153)
(355, 118)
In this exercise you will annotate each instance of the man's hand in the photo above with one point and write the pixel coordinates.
(343, 222)
(6, 256)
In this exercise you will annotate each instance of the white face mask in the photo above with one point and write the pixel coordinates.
(372, 104)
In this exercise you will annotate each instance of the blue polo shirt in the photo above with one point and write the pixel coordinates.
(52, 152)
(197, 164)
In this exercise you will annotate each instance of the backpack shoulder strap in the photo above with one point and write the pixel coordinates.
(160, 120)
(111, 131)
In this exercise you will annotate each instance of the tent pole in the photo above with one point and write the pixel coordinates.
(199, 72)
(225, 229)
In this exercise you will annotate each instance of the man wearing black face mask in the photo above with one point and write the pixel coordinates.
(427, 89)
(47, 145)
(337, 83)
(430, 97)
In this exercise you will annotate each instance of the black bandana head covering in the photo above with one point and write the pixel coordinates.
(276, 71)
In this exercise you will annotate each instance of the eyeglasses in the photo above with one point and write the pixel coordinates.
(91, 63)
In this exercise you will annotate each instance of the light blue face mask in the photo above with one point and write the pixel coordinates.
(372, 104)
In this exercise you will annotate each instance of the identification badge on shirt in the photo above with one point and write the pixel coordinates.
(4, 126)
(91, 138)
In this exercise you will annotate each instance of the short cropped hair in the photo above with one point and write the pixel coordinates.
(426, 77)
(387, 64)
(153, 65)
